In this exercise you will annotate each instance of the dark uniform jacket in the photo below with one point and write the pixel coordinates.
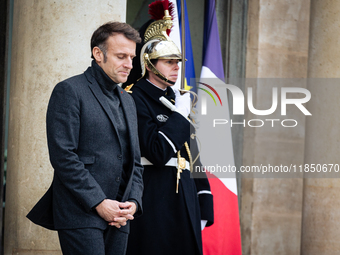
(170, 223)
(86, 153)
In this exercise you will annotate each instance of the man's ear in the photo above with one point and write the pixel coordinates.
(97, 54)
(147, 68)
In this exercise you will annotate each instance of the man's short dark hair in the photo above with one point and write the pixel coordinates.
(102, 33)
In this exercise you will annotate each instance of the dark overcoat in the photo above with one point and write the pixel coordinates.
(86, 154)
(170, 223)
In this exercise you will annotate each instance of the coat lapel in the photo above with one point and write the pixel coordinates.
(125, 100)
(98, 93)
(127, 105)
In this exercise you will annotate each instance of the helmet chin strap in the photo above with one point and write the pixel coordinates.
(155, 70)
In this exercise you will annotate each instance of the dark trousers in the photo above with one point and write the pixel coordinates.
(93, 241)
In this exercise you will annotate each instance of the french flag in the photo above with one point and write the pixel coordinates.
(223, 237)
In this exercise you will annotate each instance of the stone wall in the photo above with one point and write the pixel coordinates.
(271, 209)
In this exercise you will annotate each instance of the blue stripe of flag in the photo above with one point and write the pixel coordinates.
(189, 64)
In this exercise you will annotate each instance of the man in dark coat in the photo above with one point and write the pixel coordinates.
(94, 150)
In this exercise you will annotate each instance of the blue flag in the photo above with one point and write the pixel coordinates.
(189, 64)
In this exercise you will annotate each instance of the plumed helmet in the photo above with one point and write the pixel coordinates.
(156, 41)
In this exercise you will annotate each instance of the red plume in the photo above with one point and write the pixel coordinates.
(156, 10)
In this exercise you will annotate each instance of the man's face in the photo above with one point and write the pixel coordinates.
(169, 68)
(119, 55)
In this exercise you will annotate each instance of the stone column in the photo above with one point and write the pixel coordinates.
(277, 48)
(321, 214)
(51, 42)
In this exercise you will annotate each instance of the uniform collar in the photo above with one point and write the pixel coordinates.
(154, 91)
(156, 85)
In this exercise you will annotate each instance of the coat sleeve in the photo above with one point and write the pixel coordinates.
(137, 185)
(137, 178)
(205, 197)
(63, 128)
(159, 144)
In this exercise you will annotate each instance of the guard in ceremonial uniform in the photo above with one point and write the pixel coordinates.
(176, 206)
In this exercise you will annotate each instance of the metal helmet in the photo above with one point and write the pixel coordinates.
(158, 45)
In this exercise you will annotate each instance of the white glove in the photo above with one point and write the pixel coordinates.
(182, 103)
(203, 224)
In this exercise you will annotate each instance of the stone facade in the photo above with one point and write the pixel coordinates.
(285, 39)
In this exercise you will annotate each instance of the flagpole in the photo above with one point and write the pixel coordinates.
(183, 45)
